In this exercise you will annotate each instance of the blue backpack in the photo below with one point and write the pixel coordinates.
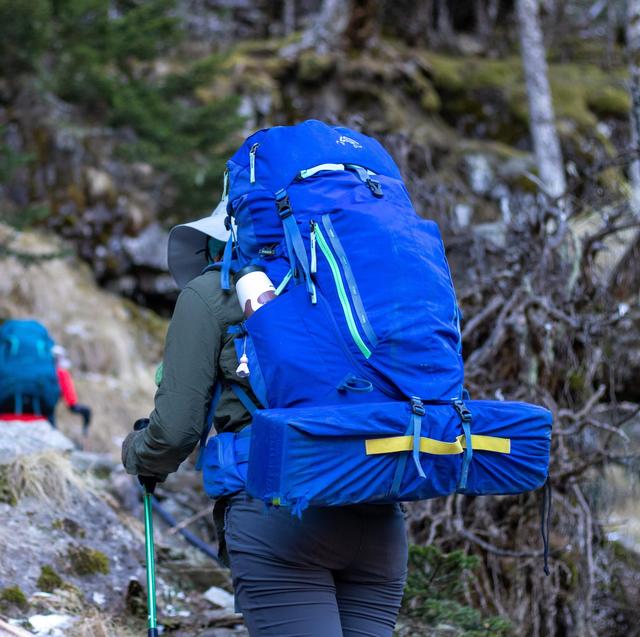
(357, 363)
(27, 367)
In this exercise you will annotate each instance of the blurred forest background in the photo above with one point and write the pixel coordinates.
(516, 127)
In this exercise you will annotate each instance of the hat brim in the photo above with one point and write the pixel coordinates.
(186, 254)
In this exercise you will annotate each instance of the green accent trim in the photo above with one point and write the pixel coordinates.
(342, 293)
(159, 372)
(151, 566)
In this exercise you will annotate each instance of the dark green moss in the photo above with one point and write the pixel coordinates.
(49, 580)
(609, 101)
(313, 68)
(13, 596)
(86, 561)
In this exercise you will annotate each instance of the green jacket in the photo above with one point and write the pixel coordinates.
(198, 353)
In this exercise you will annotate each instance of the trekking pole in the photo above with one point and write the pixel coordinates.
(148, 485)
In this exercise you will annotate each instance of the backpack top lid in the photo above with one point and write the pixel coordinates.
(27, 329)
(281, 152)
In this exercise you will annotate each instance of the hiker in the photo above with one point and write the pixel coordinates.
(34, 374)
(336, 570)
(340, 395)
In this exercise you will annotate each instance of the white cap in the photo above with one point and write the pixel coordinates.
(186, 250)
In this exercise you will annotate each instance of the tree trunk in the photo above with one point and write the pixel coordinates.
(289, 16)
(444, 23)
(364, 24)
(542, 121)
(482, 20)
(633, 50)
(327, 30)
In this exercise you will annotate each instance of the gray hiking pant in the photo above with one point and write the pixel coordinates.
(337, 572)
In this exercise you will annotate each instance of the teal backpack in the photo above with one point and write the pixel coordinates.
(27, 367)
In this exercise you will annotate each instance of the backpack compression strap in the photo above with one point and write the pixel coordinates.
(241, 395)
(295, 245)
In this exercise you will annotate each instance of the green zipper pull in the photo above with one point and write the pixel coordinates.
(252, 163)
(312, 242)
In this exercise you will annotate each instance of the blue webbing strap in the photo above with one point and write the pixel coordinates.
(295, 245)
(417, 414)
(215, 398)
(226, 264)
(291, 254)
(18, 403)
(242, 396)
(400, 467)
(465, 417)
(415, 427)
(15, 345)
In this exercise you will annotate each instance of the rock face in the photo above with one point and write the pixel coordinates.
(72, 560)
(26, 438)
(77, 183)
(75, 513)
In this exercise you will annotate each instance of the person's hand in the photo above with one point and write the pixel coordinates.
(148, 482)
(85, 412)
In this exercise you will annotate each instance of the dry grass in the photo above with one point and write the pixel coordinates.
(98, 625)
(48, 477)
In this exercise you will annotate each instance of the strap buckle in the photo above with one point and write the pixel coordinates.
(375, 187)
(283, 204)
(417, 406)
(463, 411)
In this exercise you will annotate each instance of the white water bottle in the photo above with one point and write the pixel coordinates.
(254, 288)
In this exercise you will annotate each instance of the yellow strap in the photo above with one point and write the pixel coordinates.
(395, 444)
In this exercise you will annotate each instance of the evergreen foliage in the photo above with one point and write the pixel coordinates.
(434, 593)
(103, 56)
(25, 32)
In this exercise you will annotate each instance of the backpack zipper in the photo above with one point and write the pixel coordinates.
(312, 245)
(352, 286)
(252, 163)
(342, 294)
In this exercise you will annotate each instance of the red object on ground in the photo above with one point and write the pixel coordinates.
(67, 387)
(23, 417)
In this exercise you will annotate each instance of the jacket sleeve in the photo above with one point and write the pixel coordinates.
(66, 386)
(190, 364)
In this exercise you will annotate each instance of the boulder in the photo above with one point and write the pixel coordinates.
(20, 438)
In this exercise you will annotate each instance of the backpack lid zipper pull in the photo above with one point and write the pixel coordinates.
(312, 241)
(225, 184)
(252, 163)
